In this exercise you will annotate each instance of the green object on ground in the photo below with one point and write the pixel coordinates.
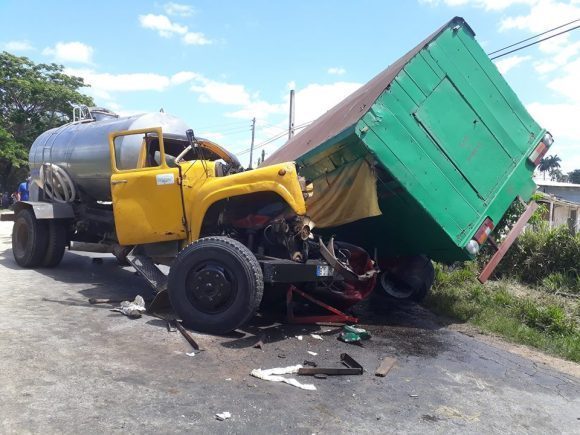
(350, 334)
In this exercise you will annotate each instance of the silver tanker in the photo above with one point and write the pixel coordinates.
(81, 148)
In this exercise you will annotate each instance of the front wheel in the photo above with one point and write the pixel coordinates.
(215, 285)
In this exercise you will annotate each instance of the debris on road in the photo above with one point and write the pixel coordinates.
(316, 336)
(350, 334)
(134, 309)
(273, 375)
(223, 416)
(95, 301)
(385, 366)
(352, 368)
(260, 343)
(309, 363)
(299, 337)
(312, 353)
(170, 326)
(187, 336)
(190, 353)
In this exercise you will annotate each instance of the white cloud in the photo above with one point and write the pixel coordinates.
(18, 46)
(490, 5)
(178, 9)
(195, 38)
(183, 77)
(338, 71)
(167, 28)
(220, 92)
(162, 25)
(508, 63)
(74, 52)
(543, 15)
(105, 83)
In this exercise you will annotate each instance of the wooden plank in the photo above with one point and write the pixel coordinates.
(386, 365)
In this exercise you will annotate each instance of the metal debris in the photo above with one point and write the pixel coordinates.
(223, 416)
(352, 368)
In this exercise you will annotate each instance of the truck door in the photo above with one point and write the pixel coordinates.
(146, 192)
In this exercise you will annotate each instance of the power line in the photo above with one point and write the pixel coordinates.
(534, 43)
(533, 37)
(274, 138)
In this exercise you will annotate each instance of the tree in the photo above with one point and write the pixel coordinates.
(33, 98)
(574, 176)
(549, 163)
(558, 175)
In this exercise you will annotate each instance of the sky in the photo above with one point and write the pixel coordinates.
(218, 64)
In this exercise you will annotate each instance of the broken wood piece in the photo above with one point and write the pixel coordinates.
(186, 335)
(385, 366)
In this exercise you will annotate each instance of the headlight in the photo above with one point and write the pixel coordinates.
(548, 139)
(472, 247)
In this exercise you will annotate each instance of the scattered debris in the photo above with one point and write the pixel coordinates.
(94, 301)
(429, 417)
(352, 368)
(223, 416)
(190, 353)
(316, 336)
(134, 309)
(414, 396)
(309, 363)
(299, 337)
(281, 355)
(350, 334)
(186, 335)
(260, 343)
(273, 375)
(312, 353)
(385, 366)
(228, 379)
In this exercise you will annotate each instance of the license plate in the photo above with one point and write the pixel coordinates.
(324, 271)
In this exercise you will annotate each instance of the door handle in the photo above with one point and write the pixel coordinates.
(118, 181)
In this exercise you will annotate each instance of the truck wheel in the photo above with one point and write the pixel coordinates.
(29, 239)
(56, 244)
(215, 285)
(411, 281)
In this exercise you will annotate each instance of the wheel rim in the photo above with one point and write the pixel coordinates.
(399, 291)
(21, 241)
(211, 287)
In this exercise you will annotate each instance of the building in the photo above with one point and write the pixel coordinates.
(563, 201)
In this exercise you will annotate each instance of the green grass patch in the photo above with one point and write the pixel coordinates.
(520, 314)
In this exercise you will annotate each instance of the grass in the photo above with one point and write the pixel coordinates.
(519, 313)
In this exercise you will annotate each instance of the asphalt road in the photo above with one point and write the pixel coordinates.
(71, 367)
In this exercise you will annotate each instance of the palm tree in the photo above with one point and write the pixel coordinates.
(549, 163)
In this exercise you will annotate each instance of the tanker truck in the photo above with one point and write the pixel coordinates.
(152, 193)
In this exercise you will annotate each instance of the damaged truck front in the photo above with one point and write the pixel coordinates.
(158, 195)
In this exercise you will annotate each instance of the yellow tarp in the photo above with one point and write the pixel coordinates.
(347, 194)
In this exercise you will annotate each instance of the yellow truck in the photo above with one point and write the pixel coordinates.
(159, 195)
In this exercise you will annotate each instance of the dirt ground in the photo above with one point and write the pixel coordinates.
(69, 366)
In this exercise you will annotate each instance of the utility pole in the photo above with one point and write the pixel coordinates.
(252, 145)
(291, 117)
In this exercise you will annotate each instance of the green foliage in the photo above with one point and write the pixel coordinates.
(549, 163)
(541, 253)
(574, 176)
(33, 98)
(543, 322)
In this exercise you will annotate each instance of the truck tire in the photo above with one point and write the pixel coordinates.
(56, 244)
(215, 285)
(29, 239)
(411, 281)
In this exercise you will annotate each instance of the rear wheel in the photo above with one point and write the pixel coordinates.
(56, 243)
(411, 280)
(215, 285)
(29, 239)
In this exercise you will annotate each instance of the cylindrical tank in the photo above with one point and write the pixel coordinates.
(82, 149)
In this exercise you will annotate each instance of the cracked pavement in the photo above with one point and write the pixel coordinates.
(68, 366)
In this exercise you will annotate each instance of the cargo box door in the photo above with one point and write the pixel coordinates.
(464, 140)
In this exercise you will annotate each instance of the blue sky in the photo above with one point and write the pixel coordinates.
(218, 64)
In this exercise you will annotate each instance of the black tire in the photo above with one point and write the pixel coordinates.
(410, 282)
(215, 285)
(56, 244)
(29, 238)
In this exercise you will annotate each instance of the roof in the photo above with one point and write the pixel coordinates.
(551, 183)
(350, 110)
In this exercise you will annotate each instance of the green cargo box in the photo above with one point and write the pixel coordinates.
(448, 143)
